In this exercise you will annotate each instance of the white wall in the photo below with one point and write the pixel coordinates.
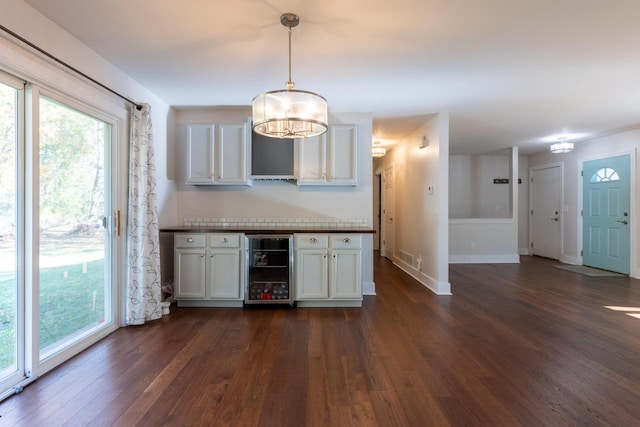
(524, 248)
(482, 240)
(610, 146)
(472, 192)
(420, 218)
(35, 27)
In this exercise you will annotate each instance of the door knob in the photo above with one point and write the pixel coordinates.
(554, 219)
(625, 222)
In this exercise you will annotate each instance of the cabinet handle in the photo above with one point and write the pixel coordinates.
(224, 240)
(347, 240)
(212, 255)
(190, 240)
(313, 240)
(202, 256)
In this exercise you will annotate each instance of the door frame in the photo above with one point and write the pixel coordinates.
(632, 202)
(34, 364)
(562, 205)
(383, 201)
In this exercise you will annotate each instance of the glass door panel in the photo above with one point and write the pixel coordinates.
(74, 243)
(10, 314)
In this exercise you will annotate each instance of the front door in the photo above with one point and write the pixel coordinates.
(546, 212)
(606, 221)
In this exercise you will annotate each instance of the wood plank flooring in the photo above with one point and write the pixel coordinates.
(517, 344)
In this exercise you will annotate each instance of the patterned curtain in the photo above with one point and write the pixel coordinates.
(143, 292)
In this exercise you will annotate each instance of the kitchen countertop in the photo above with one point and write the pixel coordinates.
(288, 229)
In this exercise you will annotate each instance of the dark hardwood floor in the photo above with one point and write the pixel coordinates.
(523, 344)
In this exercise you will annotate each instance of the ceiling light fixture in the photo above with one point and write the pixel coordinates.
(289, 113)
(378, 151)
(562, 146)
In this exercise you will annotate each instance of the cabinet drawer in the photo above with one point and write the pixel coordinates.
(310, 241)
(189, 240)
(346, 241)
(224, 240)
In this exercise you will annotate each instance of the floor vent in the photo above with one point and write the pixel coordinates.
(406, 257)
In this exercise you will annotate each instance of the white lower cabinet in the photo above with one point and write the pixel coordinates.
(208, 267)
(328, 267)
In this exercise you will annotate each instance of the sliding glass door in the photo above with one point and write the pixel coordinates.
(11, 308)
(75, 291)
(56, 230)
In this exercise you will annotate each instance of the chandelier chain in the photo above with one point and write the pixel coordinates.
(290, 83)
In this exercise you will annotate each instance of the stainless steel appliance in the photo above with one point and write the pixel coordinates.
(269, 278)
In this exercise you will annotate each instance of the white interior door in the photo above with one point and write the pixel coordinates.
(546, 212)
(387, 213)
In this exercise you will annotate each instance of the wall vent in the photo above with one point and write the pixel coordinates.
(406, 257)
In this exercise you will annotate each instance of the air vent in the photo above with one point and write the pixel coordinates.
(406, 257)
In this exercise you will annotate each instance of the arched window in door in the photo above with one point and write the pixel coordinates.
(604, 175)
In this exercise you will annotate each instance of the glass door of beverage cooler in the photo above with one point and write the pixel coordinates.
(269, 272)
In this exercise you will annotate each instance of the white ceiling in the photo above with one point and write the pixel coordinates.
(509, 72)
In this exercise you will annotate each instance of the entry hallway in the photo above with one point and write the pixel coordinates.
(523, 344)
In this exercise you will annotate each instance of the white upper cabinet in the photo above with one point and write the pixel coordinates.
(232, 154)
(343, 155)
(217, 155)
(329, 159)
(200, 154)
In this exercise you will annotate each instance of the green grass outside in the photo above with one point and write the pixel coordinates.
(66, 304)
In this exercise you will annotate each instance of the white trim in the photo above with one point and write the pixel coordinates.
(438, 288)
(368, 288)
(330, 303)
(19, 374)
(485, 259)
(209, 303)
(481, 220)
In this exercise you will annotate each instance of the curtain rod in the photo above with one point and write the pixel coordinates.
(61, 62)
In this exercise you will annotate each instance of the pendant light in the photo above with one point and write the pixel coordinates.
(289, 113)
(377, 150)
(562, 146)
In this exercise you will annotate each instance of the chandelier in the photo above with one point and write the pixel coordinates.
(289, 113)
(562, 146)
(377, 151)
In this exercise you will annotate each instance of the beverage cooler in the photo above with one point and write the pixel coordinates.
(269, 262)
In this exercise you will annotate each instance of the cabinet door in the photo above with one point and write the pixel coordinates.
(223, 274)
(200, 155)
(312, 160)
(311, 274)
(343, 155)
(232, 154)
(189, 271)
(345, 274)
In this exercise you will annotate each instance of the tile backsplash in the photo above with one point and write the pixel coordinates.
(298, 223)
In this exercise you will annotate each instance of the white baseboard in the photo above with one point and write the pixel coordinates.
(209, 303)
(485, 259)
(368, 288)
(569, 259)
(524, 251)
(329, 303)
(438, 288)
